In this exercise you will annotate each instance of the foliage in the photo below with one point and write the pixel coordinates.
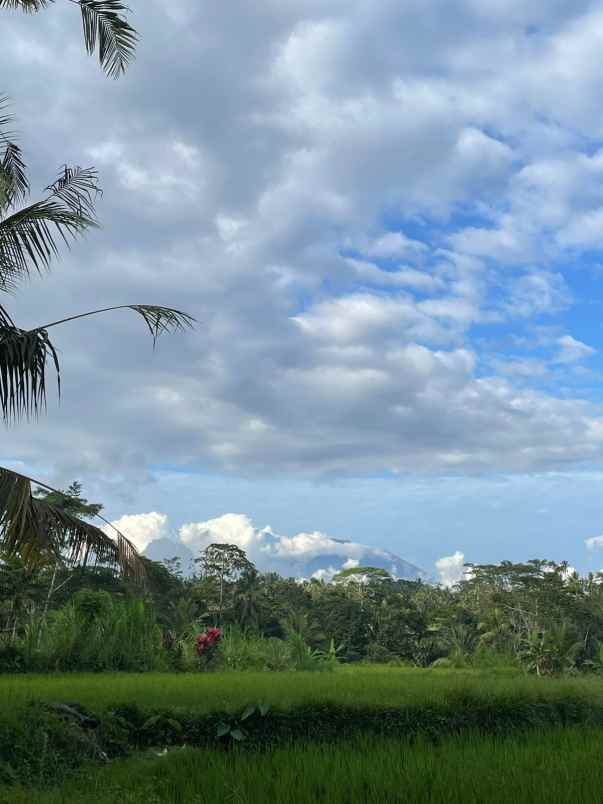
(35, 529)
(468, 769)
(44, 741)
(237, 728)
(105, 29)
(223, 564)
(94, 633)
(526, 615)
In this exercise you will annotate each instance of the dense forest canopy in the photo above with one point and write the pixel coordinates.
(538, 615)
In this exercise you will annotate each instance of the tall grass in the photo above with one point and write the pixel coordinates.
(553, 767)
(370, 686)
(240, 649)
(123, 635)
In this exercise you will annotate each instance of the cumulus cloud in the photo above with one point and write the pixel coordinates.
(141, 529)
(451, 569)
(232, 528)
(594, 542)
(315, 554)
(339, 226)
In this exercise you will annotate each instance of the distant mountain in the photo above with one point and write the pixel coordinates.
(333, 556)
(164, 549)
(325, 564)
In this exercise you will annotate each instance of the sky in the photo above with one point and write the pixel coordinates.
(387, 219)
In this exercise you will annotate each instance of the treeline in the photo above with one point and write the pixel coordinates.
(534, 615)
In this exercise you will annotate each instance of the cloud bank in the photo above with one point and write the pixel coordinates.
(356, 237)
(313, 554)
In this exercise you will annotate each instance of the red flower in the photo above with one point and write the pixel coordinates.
(208, 640)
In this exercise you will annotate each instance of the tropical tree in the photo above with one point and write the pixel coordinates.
(223, 564)
(31, 527)
(70, 500)
(30, 234)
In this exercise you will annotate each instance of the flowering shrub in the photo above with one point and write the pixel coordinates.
(206, 643)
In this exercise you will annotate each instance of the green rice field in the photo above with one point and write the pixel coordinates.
(528, 759)
(371, 686)
(554, 767)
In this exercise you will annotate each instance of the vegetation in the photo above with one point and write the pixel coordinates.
(532, 616)
(35, 529)
(420, 693)
(357, 685)
(51, 725)
(554, 766)
(105, 28)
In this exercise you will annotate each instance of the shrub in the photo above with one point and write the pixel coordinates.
(93, 633)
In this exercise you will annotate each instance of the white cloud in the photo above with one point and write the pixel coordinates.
(141, 529)
(537, 292)
(232, 528)
(572, 350)
(311, 545)
(325, 575)
(594, 542)
(300, 555)
(393, 245)
(239, 197)
(451, 569)
(370, 273)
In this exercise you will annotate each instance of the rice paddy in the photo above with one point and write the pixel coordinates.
(554, 767)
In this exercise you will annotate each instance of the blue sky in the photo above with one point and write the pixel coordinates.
(388, 220)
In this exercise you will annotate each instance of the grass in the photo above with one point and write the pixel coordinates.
(554, 767)
(358, 686)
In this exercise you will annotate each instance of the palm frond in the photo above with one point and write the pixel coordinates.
(23, 359)
(163, 320)
(78, 189)
(28, 6)
(5, 118)
(105, 28)
(28, 237)
(39, 532)
(24, 355)
(14, 186)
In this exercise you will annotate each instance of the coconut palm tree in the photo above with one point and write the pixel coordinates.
(30, 527)
(30, 236)
(105, 29)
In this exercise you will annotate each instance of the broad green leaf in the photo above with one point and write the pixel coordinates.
(249, 710)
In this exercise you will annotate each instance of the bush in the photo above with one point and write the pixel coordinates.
(12, 658)
(41, 746)
(240, 649)
(93, 633)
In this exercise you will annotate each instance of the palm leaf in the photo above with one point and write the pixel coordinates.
(28, 6)
(106, 29)
(29, 237)
(39, 532)
(25, 354)
(78, 189)
(23, 358)
(162, 320)
(12, 169)
(14, 186)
